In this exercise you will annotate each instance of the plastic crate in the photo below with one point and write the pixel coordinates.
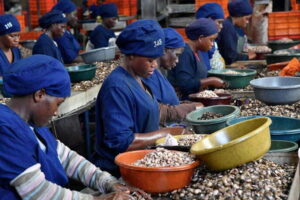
(1, 7)
(30, 35)
(21, 20)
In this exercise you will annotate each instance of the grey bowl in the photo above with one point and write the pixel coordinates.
(277, 90)
(101, 54)
(28, 43)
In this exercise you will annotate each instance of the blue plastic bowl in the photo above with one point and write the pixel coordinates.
(282, 128)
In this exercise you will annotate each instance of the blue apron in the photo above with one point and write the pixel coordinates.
(228, 43)
(4, 63)
(20, 150)
(123, 108)
(100, 36)
(45, 45)
(161, 88)
(68, 46)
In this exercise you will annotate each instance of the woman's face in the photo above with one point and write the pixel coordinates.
(11, 40)
(142, 66)
(206, 43)
(242, 22)
(58, 30)
(170, 58)
(46, 109)
(219, 23)
(72, 19)
(110, 22)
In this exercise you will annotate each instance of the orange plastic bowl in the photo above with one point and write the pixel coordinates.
(153, 179)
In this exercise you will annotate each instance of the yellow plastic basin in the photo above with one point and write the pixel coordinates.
(235, 145)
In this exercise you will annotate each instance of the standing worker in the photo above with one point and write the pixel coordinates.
(54, 23)
(170, 108)
(9, 41)
(35, 165)
(67, 44)
(232, 39)
(127, 112)
(190, 74)
(102, 34)
(214, 11)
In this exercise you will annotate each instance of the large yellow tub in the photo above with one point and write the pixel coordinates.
(235, 145)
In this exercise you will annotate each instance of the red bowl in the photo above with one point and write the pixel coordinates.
(222, 99)
(153, 179)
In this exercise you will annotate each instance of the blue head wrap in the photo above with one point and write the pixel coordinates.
(52, 17)
(108, 10)
(65, 6)
(36, 72)
(201, 27)
(173, 39)
(9, 24)
(210, 10)
(143, 37)
(240, 8)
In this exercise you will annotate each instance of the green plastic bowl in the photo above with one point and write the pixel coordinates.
(275, 45)
(81, 72)
(283, 146)
(234, 80)
(210, 126)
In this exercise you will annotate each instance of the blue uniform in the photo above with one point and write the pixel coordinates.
(20, 150)
(100, 36)
(45, 45)
(123, 108)
(68, 46)
(161, 88)
(188, 72)
(4, 63)
(228, 43)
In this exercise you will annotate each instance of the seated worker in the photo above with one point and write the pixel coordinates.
(54, 23)
(190, 74)
(231, 40)
(170, 108)
(103, 33)
(214, 11)
(9, 41)
(35, 165)
(67, 44)
(127, 112)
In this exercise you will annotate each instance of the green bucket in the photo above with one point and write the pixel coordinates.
(212, 125)
(234, 81)
(283, 146)
(81, 72)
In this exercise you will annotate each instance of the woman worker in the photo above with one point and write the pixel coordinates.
(9, 41)
(127, 112)
(190, 74)
(231, 39)
(54, 23)
(103, 33)
(214, 11)
(67, 44)
(170, 108)
(34, 165)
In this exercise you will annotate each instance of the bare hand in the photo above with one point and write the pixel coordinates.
(114, 196)
(251, 55)
(177, 131)
(129, 189)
